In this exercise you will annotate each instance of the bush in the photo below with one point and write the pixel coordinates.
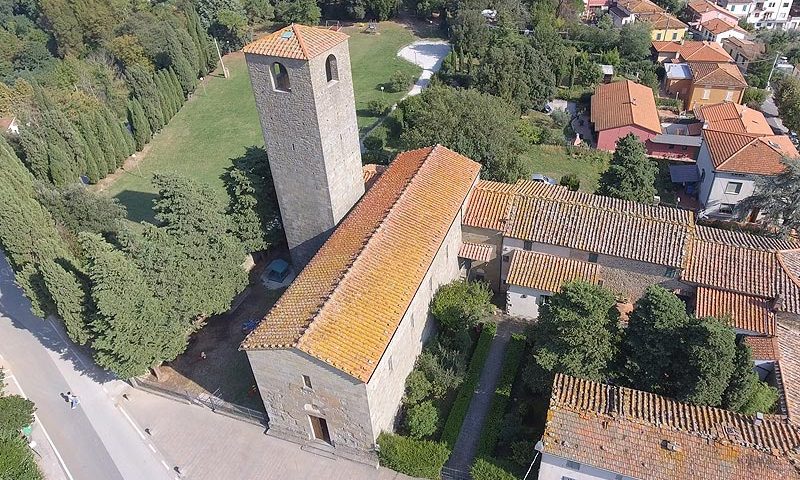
(16, 459)
(553, 136)
(418, 458)
(422, 419)
(461, 305)
(374, 143)
(15, 412)
(440, 377)
(571, 181)
(461, 404)
(417, 387)
(493, 425)
(378, 107)
(483, 470)
(560, 117)
(753, 97)
(398, 82)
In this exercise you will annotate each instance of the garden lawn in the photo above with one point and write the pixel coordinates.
(555, 161)
(221, 121)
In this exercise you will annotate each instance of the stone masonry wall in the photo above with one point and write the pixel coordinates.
(488, 237)
(386, 387)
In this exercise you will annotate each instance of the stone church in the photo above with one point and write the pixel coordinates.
(331, 357)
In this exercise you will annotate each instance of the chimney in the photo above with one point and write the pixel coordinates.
(758, 420)
(777, 303)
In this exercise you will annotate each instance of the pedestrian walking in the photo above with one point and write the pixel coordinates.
(73, 400)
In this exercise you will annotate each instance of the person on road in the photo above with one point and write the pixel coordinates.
(73, 400)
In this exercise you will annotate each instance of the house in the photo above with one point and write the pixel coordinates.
(732, 117)
(701, 11)
(624, 12)
(714, 83)
(620, 108)
(677, 80)
(689, 51)
(664, 26)
(771, 14)
(743, 51)
(717, 30)
(9, 125)
(740, 8)
(600, 431)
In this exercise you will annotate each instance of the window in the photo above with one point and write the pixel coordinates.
(671, 272)
(726, 208)
(573, 465)
(307, 382)
(675, 36)
(331, 70)
(320, 428)
(733, 188)
(505, 258)
(706, 94)
(593, 257)
(528, 245)
(671, 147)
(543, 300)
(391, 365)
(658, 36)
(729, 95)
(280, 78)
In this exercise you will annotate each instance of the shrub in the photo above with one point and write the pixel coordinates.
(753, 97)
(374, 143)
(422, 419)
(571, 181)
(461, 305)
(418, 458)
(493, 425)
(417, 387)
(483, 470)
(673, 104)
(398, 82)
(560, 117)
(16, 459)
(440, 377)
(553, 136)
(15, 413)
(378, 107)
(461, 404)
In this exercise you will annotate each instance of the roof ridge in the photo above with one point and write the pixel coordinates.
(754, 138)
(611, 208)
(789, 273)
(300, 40)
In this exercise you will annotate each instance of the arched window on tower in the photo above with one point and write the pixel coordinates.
(280, 78)
(331, 69)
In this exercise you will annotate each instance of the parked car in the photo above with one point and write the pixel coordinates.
(538, 177)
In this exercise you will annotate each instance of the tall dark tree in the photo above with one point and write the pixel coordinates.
(141, 127)
(630, 175)
(146, 93)
(709, 353)
(71, 299)
(745, 392)
(106, 140)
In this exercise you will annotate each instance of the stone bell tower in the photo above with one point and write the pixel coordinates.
(304, 94)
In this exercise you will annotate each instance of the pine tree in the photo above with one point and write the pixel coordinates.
(141, 128)
(71, 300)
(630, 175)
(132, 333)
(246, 222)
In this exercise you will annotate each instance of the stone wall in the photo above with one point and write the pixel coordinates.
(489, 237)
(386, 387)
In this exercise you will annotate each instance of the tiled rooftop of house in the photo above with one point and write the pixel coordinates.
(346, 304)
(639, 6)
(789, 363)
(749, 313)
(480, 252)
(694, 51)
(296, 41)
(624, 103)
(661, 20)
(643, 435)
(548, 273)
(717, 26)
(732, 117)
(744, 239)
(704, 6)
(750, 50)
(748, 153)
(717, 74)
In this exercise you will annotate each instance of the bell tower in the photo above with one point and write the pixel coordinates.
(304, 94)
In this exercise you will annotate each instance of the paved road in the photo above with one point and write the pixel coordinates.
(429, 55)
(95, 440)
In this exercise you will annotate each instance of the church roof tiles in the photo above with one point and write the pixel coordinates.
(296, 41)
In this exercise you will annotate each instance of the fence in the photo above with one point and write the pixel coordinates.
(211, 401)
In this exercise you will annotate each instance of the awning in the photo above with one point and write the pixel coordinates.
(684, 173)
(476, 251)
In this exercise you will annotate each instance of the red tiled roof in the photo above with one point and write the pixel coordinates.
(704, 6)
(763, 348)
(789, 363)
(639, 6)
(694, 51)
(345, 305)
(548, 273)
(717, 26)
(488, 205)
(296, 41)
(751, 50)
(661, 21)
(624, 103)
(743, 239)
(642, 435)
(717, 74)
(732, 117)
(745, 312)
(476, 251)
(748, 153)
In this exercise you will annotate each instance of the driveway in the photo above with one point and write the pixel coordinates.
(429, 55)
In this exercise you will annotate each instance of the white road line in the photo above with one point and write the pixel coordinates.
(165, 464)
(130, 420)
(47, 436)
(152, 447)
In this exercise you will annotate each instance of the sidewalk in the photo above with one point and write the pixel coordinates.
(44, 453)
(209, 446)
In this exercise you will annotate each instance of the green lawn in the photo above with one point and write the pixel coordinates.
(221, 121)
(555, 162)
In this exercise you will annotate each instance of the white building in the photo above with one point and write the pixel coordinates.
(770, 14)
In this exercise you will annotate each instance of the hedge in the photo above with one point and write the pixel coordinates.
(459, 409)
(483, 470)
(418, 458)
(502, 396)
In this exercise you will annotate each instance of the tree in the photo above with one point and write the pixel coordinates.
(577, 334)
(571, 181)
(106, 141)
(146, 93)
(132, 333)
(139, 123)
(15, 412)
(96, 162)
(754, 97)
(77, 209)
(630, 175)
(35, 150)
(461, 305)
(16, 459)
(129, 52)
(422, 419)
(787, 99)
(709, 353)
(297, 11)
(398, 82)
(477, 125)
(745, 392)
(470, 34)
(776, 197)
(71, 299)
(634, 41)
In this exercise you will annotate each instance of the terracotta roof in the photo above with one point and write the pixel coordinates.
(5, 122)
(750, 50)
(639, 6)
(732, 117)
(346, 304)
(748, 153)
(661, 21)
(296, 41)
(745, 312)
(763, 348)
(744, 270)
(703, 6)
(476, 251)
(371, 172)
(541, 271)
(602, 225)
(624, 103)
(490, 201)
(647, 436)
(717, 26)
(694, 51)
(789, 348)
(743, 239)
(717, 74)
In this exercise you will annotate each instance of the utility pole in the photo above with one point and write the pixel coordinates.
(224, 69)
(777, 54)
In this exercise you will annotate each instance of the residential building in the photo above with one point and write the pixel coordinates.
(714, 83)
(664, 26)
(620, 108)
(740, 8)
(743, 51)
(701, 11)
(769, 14)
(624, 12)
(600, 431)
(689, 51)
(732, 117)
(304, 94)
(717, 30)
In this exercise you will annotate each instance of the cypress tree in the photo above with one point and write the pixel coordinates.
(165, 96)
(146, 93)
(202, 42)
(98, 163)
(60, 163)
(71, 300)
(187, 76)
(35, 153)
(141, 128)
(106, 141)
(176, 88)
(122, 136)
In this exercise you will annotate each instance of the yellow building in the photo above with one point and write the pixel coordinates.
(705, 83)
(665, 26)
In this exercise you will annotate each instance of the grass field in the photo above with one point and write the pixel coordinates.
(555, 162)
(221, 121)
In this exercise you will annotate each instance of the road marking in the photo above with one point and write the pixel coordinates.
(44, 430)
(152, 447)
(130, 420)
(165, 464)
